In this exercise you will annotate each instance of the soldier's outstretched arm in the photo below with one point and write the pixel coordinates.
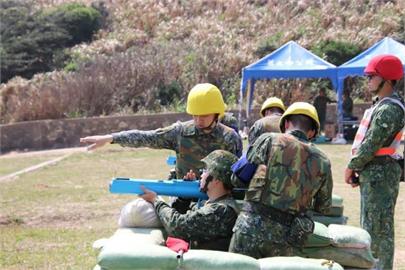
(161, 138)
(96, 141)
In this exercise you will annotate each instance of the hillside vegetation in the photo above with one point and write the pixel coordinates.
(148, 54)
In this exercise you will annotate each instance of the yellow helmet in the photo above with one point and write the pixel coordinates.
(301, 108)
(205, 98)
(272, 102)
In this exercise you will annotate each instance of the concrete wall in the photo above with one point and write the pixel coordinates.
(52, 134)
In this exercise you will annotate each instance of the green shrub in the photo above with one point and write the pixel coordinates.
(79, 21)
(336, 52)
(28, 42)
(33, 42)
(167, 93)
(268, 45)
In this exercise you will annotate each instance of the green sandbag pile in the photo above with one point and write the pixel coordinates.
(141, 249)
(297, 263)
(217, 260)
(349, 246)
(334, 215)
(320, 237)
(136, 248)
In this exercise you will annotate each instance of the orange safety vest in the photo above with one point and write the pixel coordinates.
(364, 125)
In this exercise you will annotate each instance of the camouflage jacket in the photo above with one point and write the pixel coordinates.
(266, 124)
(298, 175)
(320, 103)
(210, 223)
(189, 143)
(231, 121)
(386, 121)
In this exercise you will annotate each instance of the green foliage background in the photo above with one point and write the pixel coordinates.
(33, 39)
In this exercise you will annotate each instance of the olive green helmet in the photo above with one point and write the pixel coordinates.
(218, 164)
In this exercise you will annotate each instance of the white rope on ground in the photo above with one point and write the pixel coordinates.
(13, 176)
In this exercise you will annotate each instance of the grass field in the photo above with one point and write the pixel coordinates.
(50, 218)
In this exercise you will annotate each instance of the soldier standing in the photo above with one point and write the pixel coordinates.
(191, 140)
(219, 212)
(375, 153)
(320, 103)
(273, 219)
(231, 121)
(271, 112)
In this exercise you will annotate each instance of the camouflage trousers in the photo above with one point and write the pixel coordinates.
(379, 184)
(259, 237)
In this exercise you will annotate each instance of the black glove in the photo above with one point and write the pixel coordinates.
(182, 204)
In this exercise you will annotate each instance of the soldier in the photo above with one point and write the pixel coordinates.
(271, 112)
(320, 103)
(191, 140)
(230, 120)
(374, 156)
(298, 175)
(219, 212)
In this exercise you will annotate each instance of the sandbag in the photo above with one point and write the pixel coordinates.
(337, 200)
(297, 263)
(136, 248)
(99, 244)
(130, 256)
(196, 259)
(349, 236)
(142, 236)
(335, 211)
(320, 237)
(139, 213)
(351, 257)
(326, 220)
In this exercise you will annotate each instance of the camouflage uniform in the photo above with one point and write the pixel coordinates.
(208, 227)
(189, 143)
(320, 103)
(230, 120)
(379, 179)
(197, 225)
(265, 124)
(298, 175)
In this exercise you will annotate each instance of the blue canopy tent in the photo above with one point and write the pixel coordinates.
(356, 66)
(289, 61)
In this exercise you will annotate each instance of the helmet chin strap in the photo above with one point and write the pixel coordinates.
(380, 86)
(207, 181)
(212, 125)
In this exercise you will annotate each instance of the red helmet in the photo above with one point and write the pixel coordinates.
(387, 66)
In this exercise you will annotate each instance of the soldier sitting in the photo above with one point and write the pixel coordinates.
(273, 219)
(219, 212)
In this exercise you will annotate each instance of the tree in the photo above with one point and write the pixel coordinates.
(31, 39)
(79, 21)
(336, 52)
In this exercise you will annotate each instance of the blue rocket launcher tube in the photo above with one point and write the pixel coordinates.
(176, 187)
